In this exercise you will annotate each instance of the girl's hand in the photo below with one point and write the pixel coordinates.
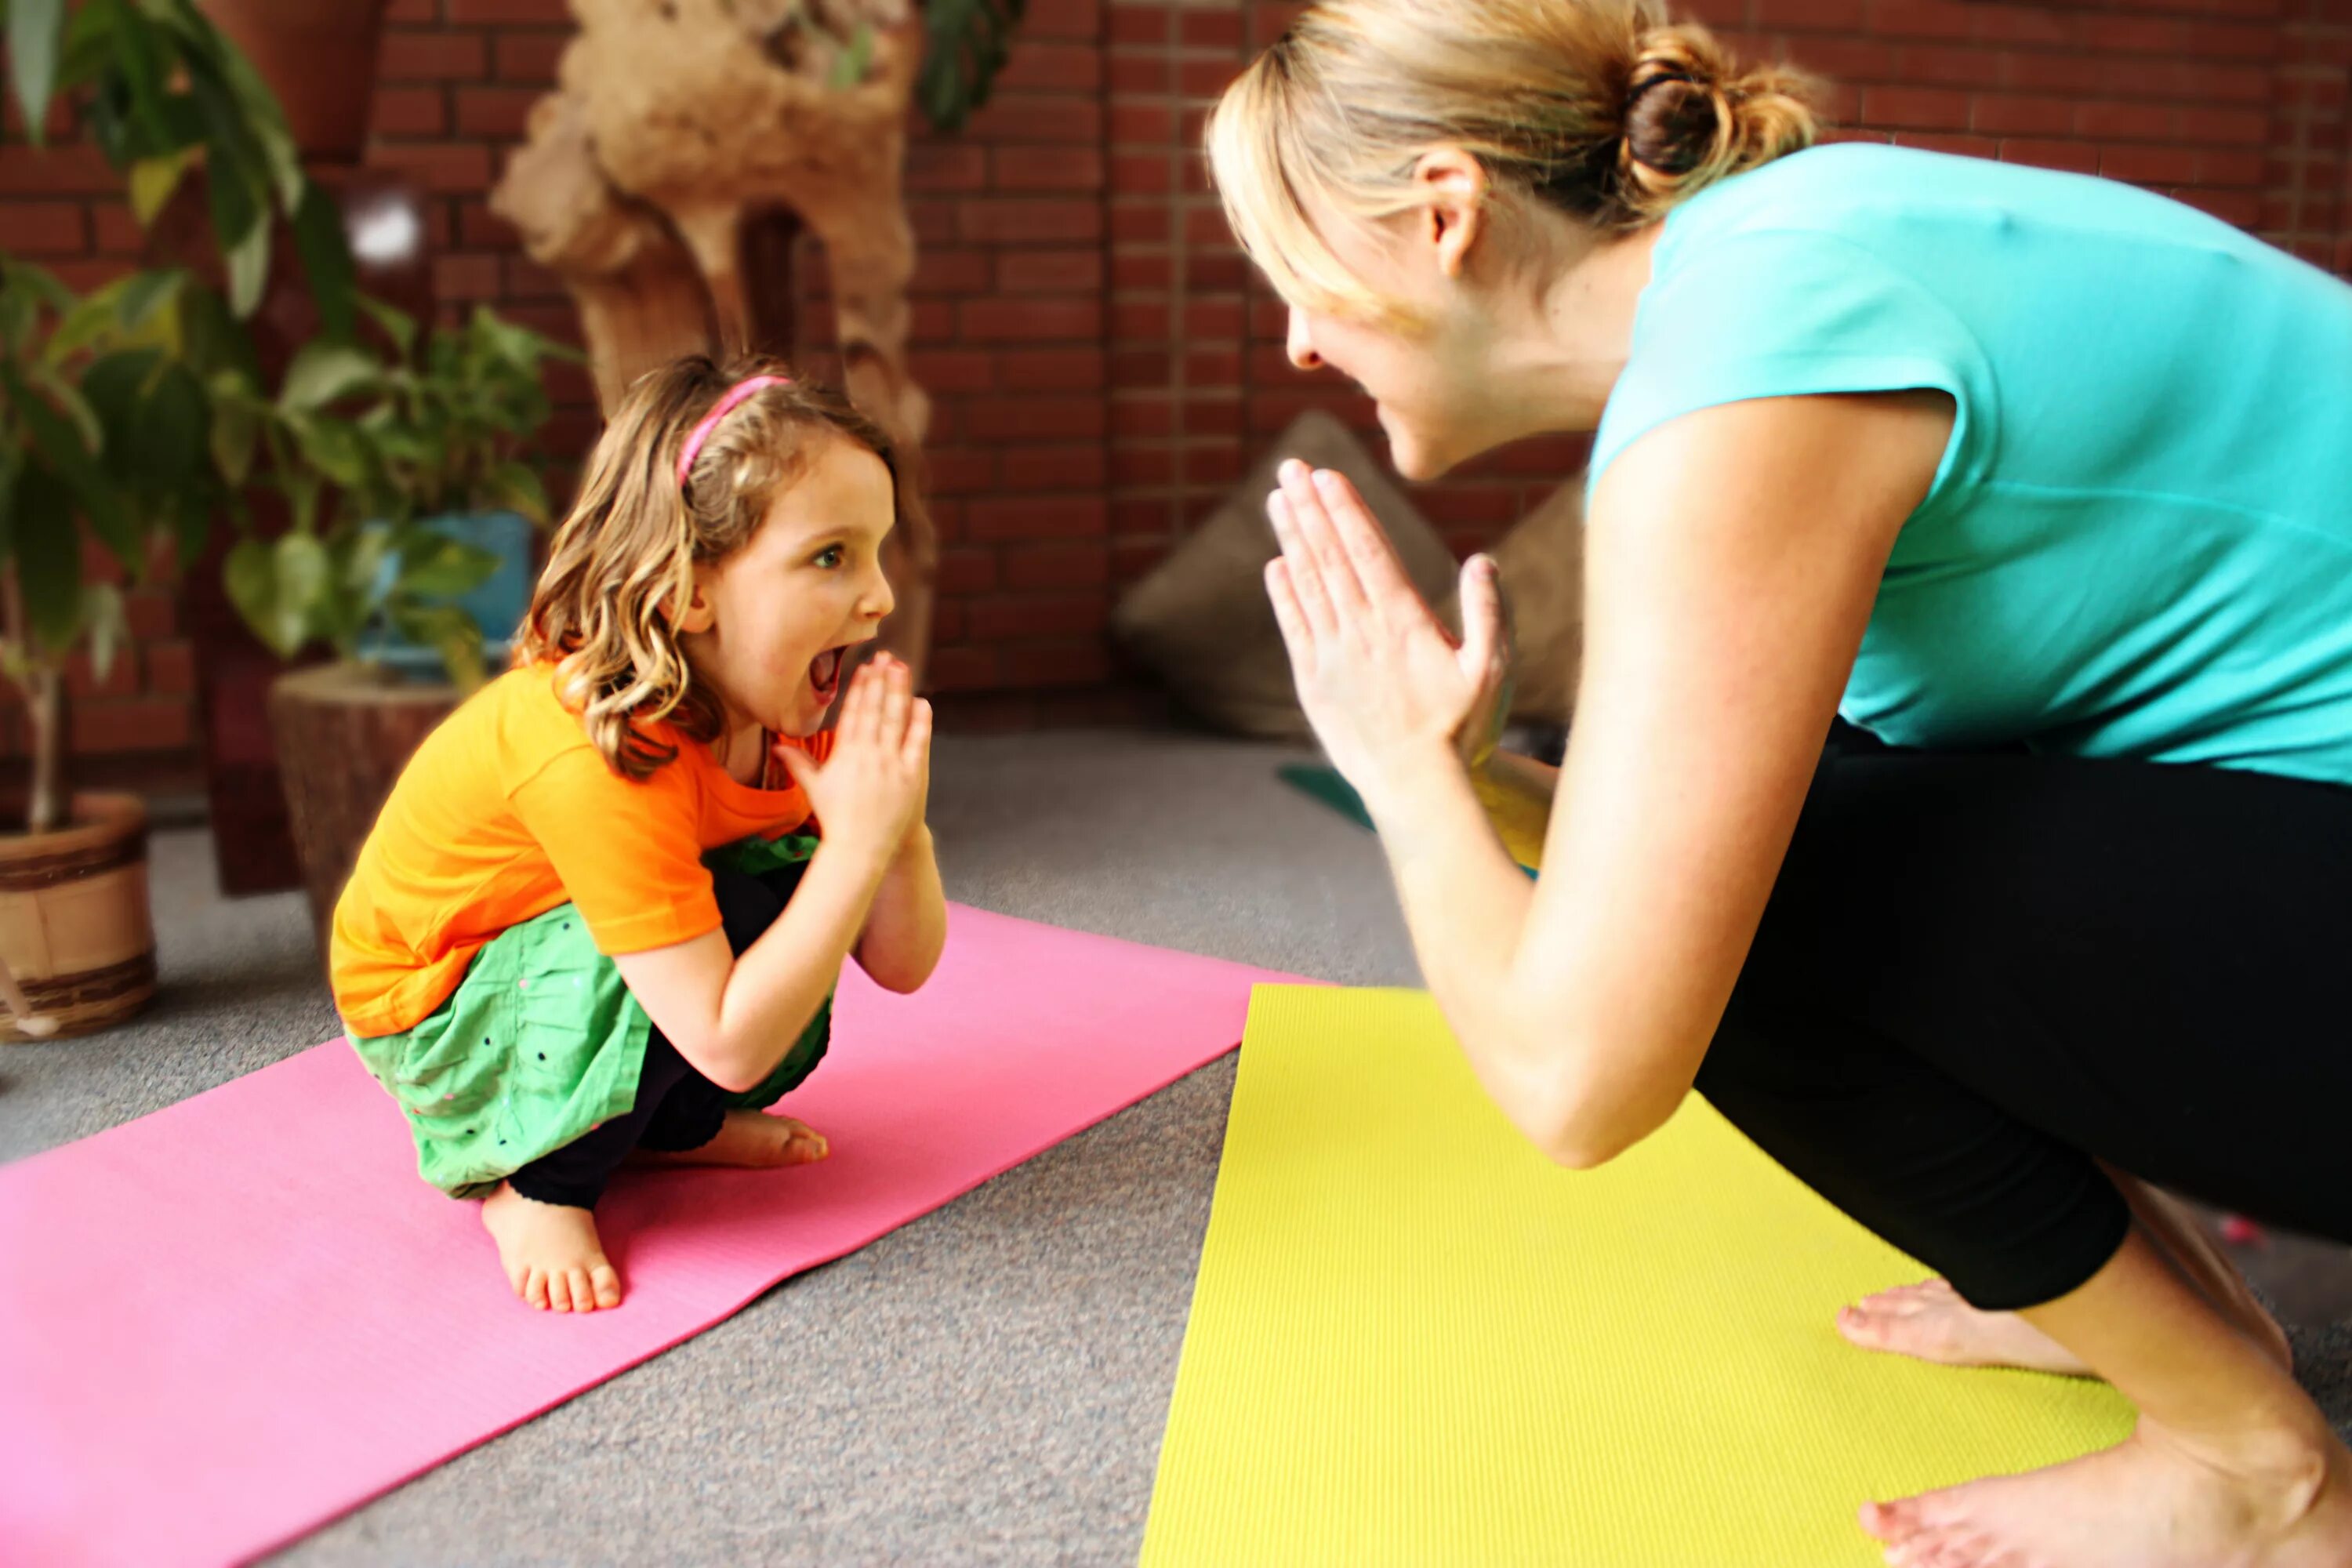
(870, 794)
(1386, 687)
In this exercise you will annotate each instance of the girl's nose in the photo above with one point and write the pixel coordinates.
(879, 601)
(1302, 351)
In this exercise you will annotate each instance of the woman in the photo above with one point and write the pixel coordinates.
(2045, 485)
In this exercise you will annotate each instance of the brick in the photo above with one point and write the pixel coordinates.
(135, 724)
(529, 57)
(1038, 63)
(151, 614)
(1942, 65)
(947, 166)
(2024, 25)
(2134, 35)
(421, 57)
(2227, 169)
(1274, 20)
(2231, 41)
(961, 667)
(1071, 662)
(1052, 169)
(2077, 156)
(1928, 108)
(1222, 272)
(1056, 565)
(77, 168)
(1142, 173)
(953, 272)
(933, 320)
(2237, 126)
(520, 278)
(1943, 141)
(171, 669)
(1063, 19)
(114, 232)
(82, 684)
(1028, 320)
(1139, 468)
(1141, 367)
(1035, 117)
(1212, 367)
(949, 623)
(1920, 19)
(1147, 320)
(402, 13)
(1219, 413)
(1052, 370)
(2075, 73)
(1140, 26)
(1004, 517)
(456, 278)
(1131, 271)
(1846, 60)
(1206, 77)
(2124, 121)
(1146, 124)
(1030, 220)
(1205, 29)
(409, 111)
(961, 470)
(2149, 165)
(953, 369)
(1020, 617)
(1061, 468)
(1050, 271)
(1037, 419)
(499, 111)
(1139, 222)
(2240, 207)
(444, 168)
(1139, 75)
(2021, 114)
(1212, 319)
(967, 571)
(1811, 15)
(44, 228)
(533, 13)
(1142, 415)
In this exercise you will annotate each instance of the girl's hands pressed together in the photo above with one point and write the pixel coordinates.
(870, 794)
(1387, 688)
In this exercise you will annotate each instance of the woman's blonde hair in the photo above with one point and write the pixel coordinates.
(622, 565)
(1595, 107)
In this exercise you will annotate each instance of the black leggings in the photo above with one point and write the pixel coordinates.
(1978, 973)
(677, 1108)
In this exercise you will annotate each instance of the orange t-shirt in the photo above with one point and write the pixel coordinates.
(508, 810)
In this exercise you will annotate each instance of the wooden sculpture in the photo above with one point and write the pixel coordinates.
(684, 134)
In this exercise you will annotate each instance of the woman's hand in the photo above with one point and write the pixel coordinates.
(870, 794)
(1388, 690)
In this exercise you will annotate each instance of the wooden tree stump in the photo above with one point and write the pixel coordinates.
(672, 130)
(344, 731)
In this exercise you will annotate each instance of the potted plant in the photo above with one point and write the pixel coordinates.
(408, 552)
(103, 436)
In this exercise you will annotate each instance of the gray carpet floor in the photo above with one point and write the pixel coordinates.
(986, 1385)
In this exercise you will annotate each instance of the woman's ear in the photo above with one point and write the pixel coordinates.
(1453, 187)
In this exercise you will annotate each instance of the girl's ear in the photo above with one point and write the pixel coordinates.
(700, 614)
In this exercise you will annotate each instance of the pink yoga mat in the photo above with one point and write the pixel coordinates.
(202, 1356)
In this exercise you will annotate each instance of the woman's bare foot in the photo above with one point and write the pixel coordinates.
(553, 1257)
(751, 1139)
(1931, 1322)
(2274, 1500)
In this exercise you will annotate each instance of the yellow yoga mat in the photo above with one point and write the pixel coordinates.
(1415, 1341)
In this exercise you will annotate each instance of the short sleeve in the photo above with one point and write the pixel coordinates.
(1793, 313)
(627, 853)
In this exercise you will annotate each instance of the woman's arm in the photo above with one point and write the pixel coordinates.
(1732, 561)
(1517, 793)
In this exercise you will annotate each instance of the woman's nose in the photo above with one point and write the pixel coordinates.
(1302, 351)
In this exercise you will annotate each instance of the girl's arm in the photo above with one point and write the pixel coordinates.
(908, 925)
(733, 1017)
(1732, 561)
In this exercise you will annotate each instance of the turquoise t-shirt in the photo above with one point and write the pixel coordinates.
(2139, 541)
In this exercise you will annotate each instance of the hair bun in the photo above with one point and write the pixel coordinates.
(1692, 117)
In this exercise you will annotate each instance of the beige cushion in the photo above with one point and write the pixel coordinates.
(1541, 563)
(1199, 620)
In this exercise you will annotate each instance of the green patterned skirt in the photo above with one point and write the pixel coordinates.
(541, 1042)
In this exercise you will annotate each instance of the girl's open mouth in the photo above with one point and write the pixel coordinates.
(825, 676)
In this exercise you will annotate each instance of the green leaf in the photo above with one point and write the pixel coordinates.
(152, 181)
(49, 558)
(326, 258)
(67, 456)
(396, 324)
(336, 448)
(323, 374)
(106, 624)
(276, 585)
(448, 631)
(33, 29)
(517, 486)
(849, 66)
(236, 427)
(248, 269)
(435, 566)
(136, 49)
(67, 399)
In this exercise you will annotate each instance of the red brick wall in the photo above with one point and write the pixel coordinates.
(1103, 362)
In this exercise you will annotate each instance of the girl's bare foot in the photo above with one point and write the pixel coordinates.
(2270, 1499)
(1931, 1322)
(553, 1257)
(751, 1139)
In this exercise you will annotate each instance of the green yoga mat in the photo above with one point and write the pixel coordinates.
(1415, 1341)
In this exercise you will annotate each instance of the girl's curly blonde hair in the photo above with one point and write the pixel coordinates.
(623, 558)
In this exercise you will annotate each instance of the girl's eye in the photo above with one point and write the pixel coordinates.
(830, 556)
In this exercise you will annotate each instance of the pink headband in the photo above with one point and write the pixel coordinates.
(721, 410)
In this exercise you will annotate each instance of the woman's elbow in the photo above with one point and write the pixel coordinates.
(1582, 1130)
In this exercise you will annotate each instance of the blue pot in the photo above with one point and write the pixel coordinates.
(496, 606)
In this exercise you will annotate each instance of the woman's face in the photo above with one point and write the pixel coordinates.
(1422, 384)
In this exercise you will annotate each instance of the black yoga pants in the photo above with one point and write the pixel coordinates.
(677, 1108)
(1980, 973)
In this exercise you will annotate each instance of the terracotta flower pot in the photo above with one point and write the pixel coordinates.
(319, 57)
(75, 929)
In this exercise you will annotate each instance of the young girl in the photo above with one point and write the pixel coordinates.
(598, 915)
